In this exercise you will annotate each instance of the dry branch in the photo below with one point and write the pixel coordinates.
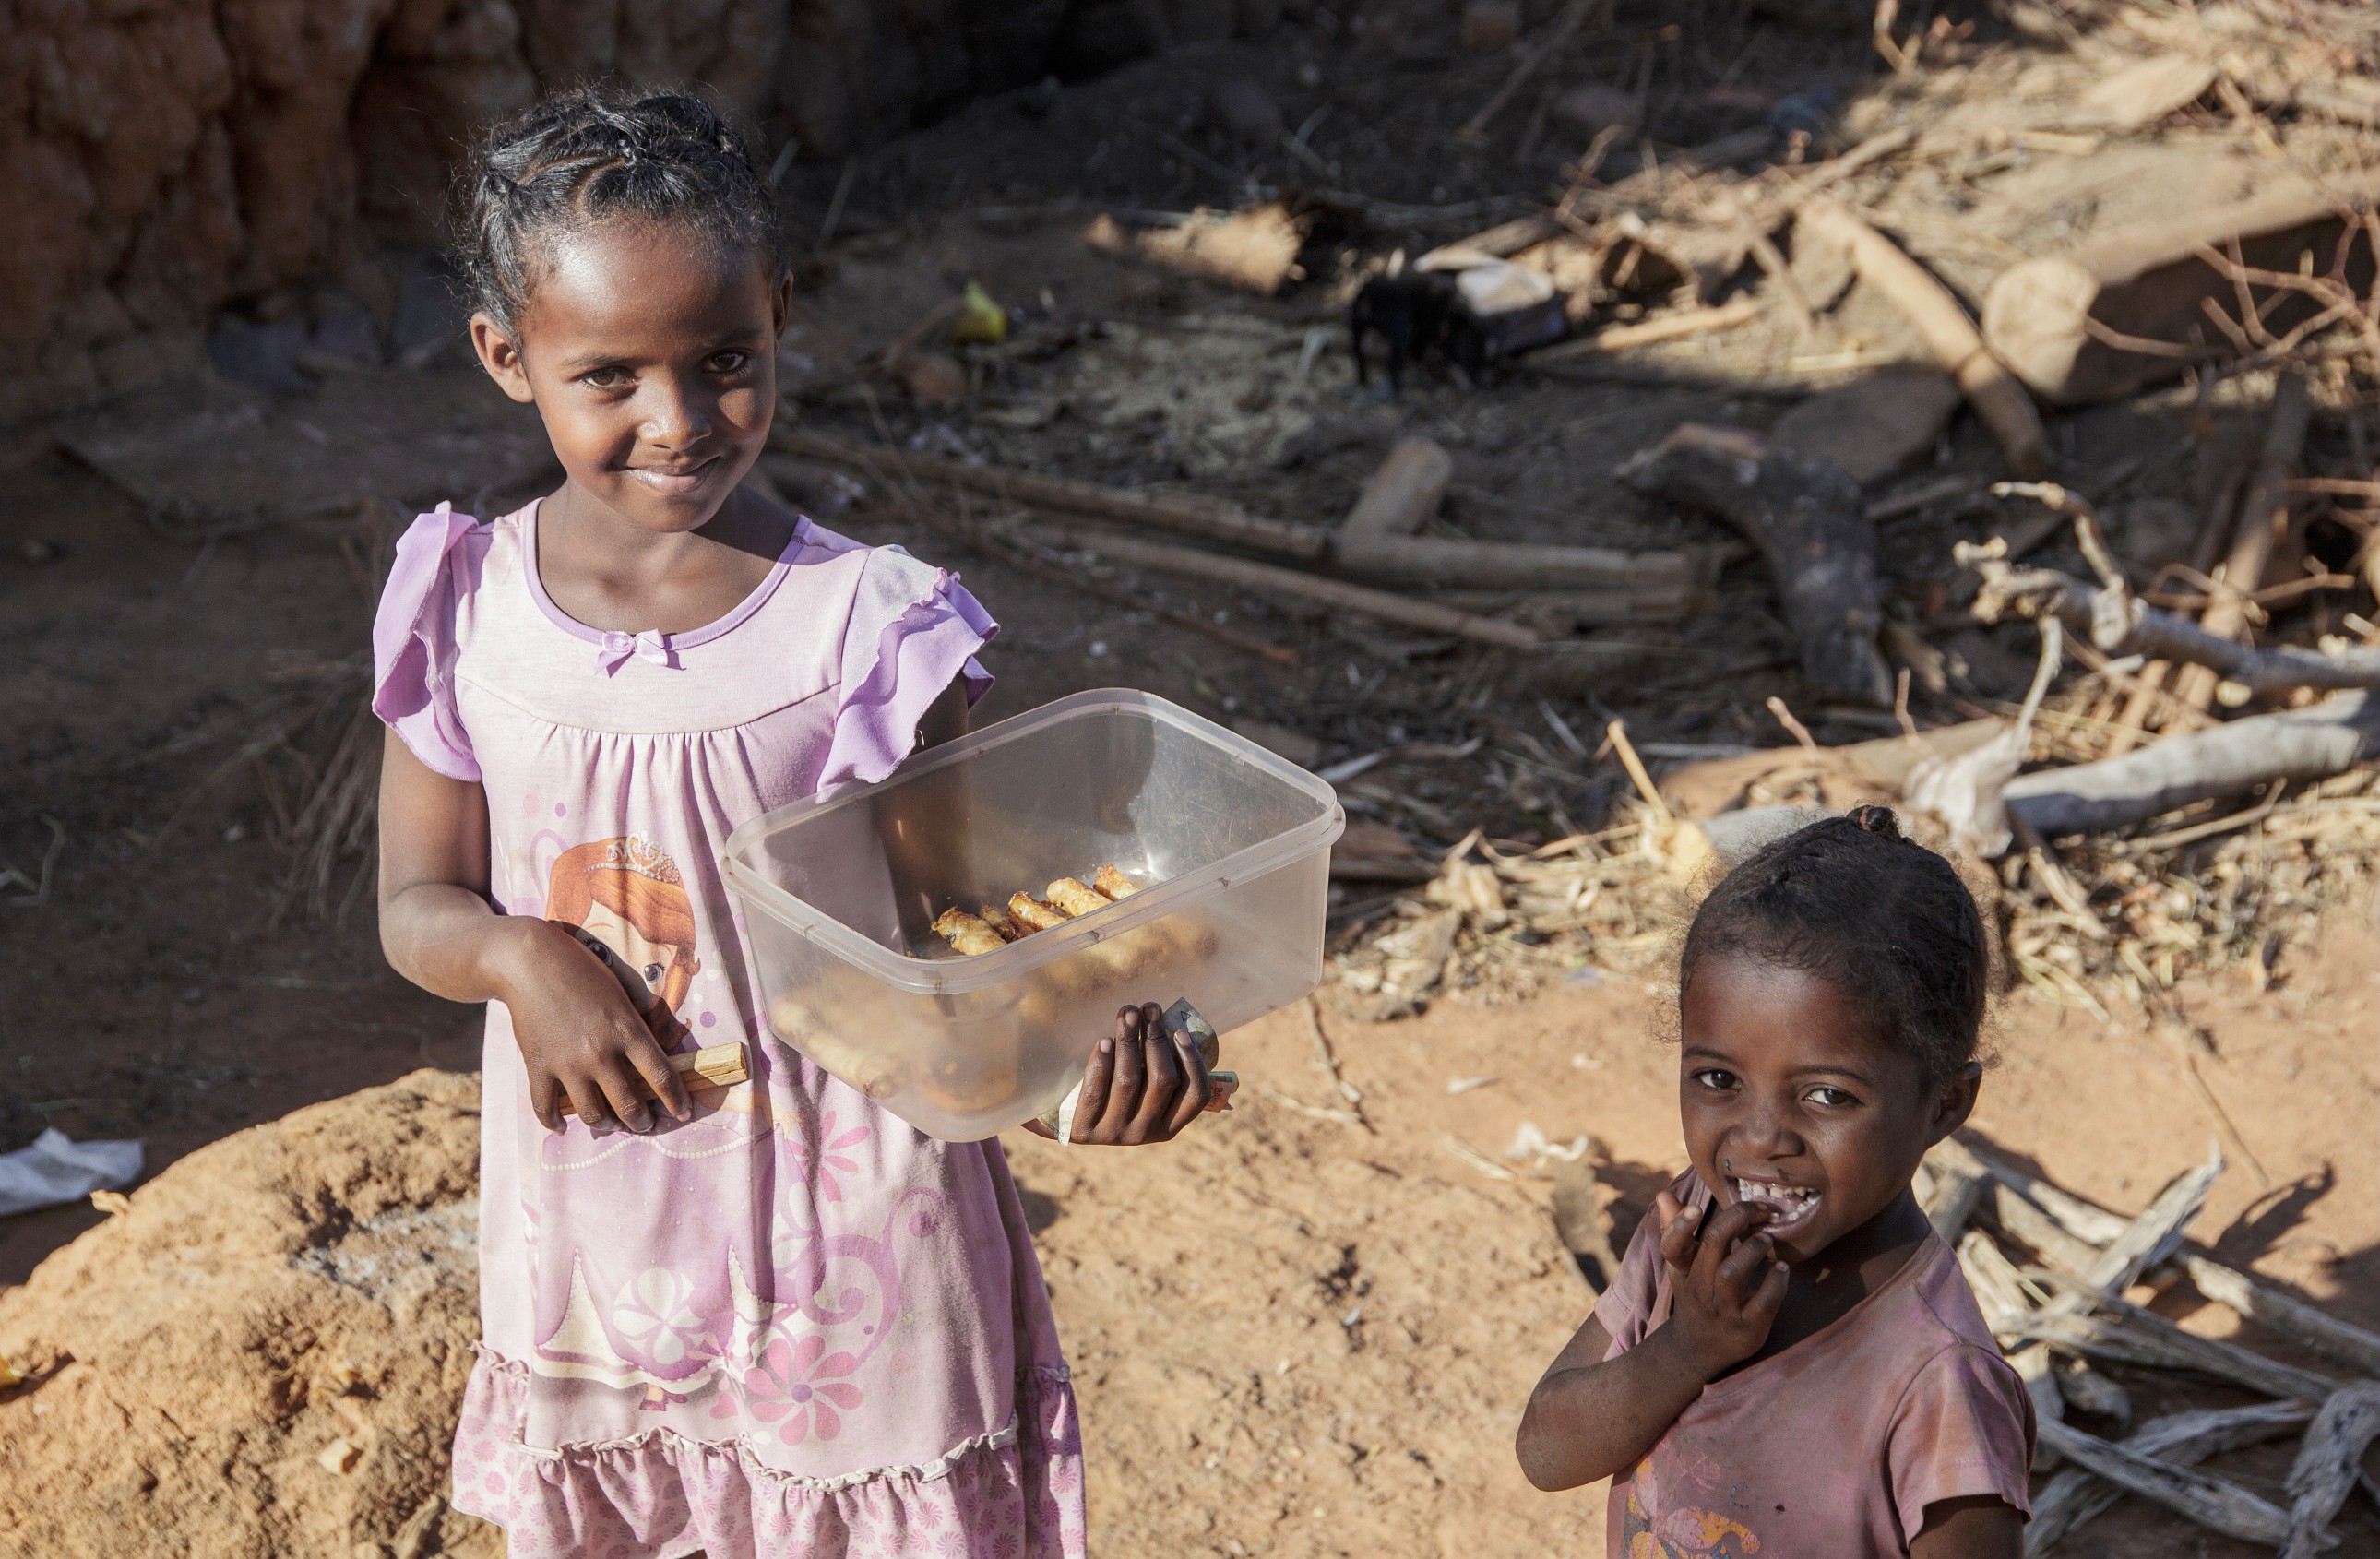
(2264, 516)
(1669, 578)
(1998, 399)
(2283, 1315)
(2077, 1494)
(2325, 1469)
(1646, 332)
(2148, 1239)
(1810, 523)
(2129, 1334)
(2299, 744)
(1212, 520)
(2226, 1507)
(1383, 606)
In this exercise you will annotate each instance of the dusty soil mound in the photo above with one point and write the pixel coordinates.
(302, 1293)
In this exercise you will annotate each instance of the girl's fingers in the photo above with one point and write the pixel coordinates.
(618, 1082)
(1742, 1268)
(653, 1063)
(1131, 1078)
(586, 1102)
(1770, 1298)
(542, 1100)
(1163, 1090)
(1677, 1233)
(1194, 1090)
(1092, 1102)
(1728, 1227)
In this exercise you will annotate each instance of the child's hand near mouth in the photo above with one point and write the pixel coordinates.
(1726, 1281)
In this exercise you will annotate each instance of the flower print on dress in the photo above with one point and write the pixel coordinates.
(655, 1313)
(817, 1164)
(1681, 1532)
(795, 1381)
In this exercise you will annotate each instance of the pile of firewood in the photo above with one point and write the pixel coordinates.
(2051, 1272)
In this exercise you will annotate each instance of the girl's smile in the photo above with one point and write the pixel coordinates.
(1791, 1104)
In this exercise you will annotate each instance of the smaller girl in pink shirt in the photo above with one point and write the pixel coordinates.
(1789, 1362)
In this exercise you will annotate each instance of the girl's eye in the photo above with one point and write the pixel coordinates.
(730, 362)
(1832, 1098)
(1713, 1077)
(652, 974)
(604, 378)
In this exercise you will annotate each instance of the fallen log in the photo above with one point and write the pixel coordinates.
(1213, 520)
(2326, 1467)
(2016, 1217)
(2210, 1502)
(2076, 1495)
(1811, 526)
(1997, 397)
(1382, 605)
(2264, 517)
(1403, 493)
(2073, 327)
(2299, 744)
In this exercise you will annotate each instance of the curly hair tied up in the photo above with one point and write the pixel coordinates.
(1876, 915)
(589, 156)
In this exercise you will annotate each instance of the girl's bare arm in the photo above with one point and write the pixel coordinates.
(1590, 1417)
(578, 1032)
(1980, 1526)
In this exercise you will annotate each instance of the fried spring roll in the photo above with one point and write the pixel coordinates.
(1114, 883)
(1040, 917)
(1075, 897)
(966, 932)
(999, 920)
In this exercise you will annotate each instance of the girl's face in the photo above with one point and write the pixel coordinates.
(1788, 1099)
(653, 363)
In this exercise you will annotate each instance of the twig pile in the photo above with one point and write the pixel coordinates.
(2050, 1271)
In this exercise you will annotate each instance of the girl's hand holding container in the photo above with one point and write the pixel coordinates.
(1144, 1084)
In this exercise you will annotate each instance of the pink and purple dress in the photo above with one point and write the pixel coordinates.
(793, 1325)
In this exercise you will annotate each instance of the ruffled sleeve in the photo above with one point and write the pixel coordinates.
(912, 627)
(414, 646)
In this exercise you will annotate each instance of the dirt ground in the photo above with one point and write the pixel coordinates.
(1291, 1336)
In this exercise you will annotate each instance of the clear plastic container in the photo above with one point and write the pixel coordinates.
(1229, 842)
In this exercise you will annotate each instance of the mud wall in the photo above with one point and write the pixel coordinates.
(162, 158)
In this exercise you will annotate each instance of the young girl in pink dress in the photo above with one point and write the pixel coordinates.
(772, 1320)
(1789, 1361)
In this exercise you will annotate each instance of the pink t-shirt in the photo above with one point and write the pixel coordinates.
(1833, 1447)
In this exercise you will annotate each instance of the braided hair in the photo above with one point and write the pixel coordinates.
(1877, 915)
(592, 153)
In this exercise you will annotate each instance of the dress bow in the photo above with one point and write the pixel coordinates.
(650, 645)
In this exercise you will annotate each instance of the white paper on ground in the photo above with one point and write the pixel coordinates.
(56, 1170)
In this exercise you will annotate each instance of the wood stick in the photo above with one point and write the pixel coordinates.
(2264, 516)
(1213, 520)
(2210, 1502)
(2087, 1390)
(1956, 1193)
(1645, 333)
(2147, 1240)
(2039, 1370)
(1573, 17)
(1031, 560)
(2077, 1494)
(2326, 1467)
(2086, 1222)
(1998, 399)
(2120, 624)
(1457, 564)
(1999, 1291)
(1403, 493)
(2016, 1217)
(711, 1066)
(1811, 524)
(2129, 1334)
(2284, 1315)
(2298, 744)
(1617, 734)
(1381, 605)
